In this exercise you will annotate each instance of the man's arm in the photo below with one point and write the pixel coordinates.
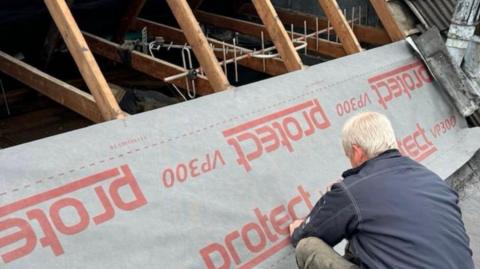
(333, 218)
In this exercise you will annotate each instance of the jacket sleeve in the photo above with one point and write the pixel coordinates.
(332, 219)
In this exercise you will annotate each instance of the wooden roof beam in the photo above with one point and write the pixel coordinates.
(387, 19)
(84, 59)
(278, 34)
(273, 67)
(146, 64)
(325, 47)
(57, 90)
(197, 40)
(341, 26)
(364, 33)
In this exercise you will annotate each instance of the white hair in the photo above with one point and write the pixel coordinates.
(370, 131)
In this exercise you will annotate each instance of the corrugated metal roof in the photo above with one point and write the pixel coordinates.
(433, 12)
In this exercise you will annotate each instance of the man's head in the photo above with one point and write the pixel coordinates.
(367, 135)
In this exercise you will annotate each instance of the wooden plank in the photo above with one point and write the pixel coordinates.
(273, 67)
(325, 47)
(84, 59)
(387, 19)
(366, 34)
(197, 40)
(146, 64)
(59, 91)
(132, 11)
(341, 26)
(278, 34)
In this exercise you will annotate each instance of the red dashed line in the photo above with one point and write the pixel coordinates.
(211, 126)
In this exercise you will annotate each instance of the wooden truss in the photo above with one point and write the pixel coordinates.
(213, 55)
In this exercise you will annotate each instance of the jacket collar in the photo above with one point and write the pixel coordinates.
(391, 153)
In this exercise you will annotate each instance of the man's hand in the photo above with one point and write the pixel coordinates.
(294, 225)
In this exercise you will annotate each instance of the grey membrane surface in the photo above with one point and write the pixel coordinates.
(213, 183)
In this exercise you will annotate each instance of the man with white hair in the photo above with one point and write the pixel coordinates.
(394, 212)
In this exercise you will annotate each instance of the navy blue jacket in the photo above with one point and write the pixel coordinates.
(395, 213)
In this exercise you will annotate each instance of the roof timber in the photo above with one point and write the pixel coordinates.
(325, 47)
(84, 59)
(272, 66)
(144, 63)
(278, 34)
(341, 26)
(61, 92)
(197, 40)
(388, 21)
(367, 34)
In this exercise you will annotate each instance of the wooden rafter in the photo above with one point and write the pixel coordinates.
(387, 19)
(364, 33)
(131, 13)
(325, 47)
(197, 40)
(84, 59)
(148, 65)
(341, 26)
(59, 91)
(278, 34)
(273, 67)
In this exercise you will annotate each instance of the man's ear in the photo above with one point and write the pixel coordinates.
(358, 155)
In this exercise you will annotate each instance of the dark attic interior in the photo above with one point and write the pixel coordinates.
(146, 54)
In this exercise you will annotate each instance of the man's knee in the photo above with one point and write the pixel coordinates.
(310, 245)
(312, 253)
(307, 249)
